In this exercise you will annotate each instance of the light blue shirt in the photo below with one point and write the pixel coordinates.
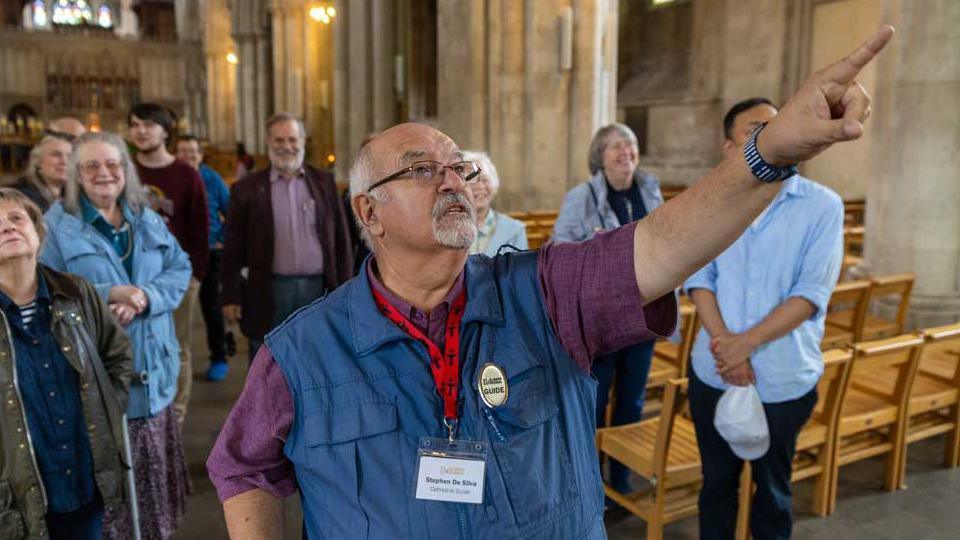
(794, 249)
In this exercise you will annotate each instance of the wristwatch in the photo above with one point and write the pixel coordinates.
(760, 168)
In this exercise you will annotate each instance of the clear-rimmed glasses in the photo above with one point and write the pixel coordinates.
(91, 168)
(431, 172)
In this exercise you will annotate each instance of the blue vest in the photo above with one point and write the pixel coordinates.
(363, 396)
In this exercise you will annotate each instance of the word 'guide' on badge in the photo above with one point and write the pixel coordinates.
(492, 385)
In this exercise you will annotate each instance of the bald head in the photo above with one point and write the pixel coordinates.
(68, 125)
(392, 149)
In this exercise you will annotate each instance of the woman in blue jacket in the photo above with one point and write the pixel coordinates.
(494, 230)
(104, 232)
(617, 193)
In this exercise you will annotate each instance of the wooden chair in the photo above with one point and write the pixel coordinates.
(873, 422)
(875, 327)
(852, 297)
(535, 240)
(934, 406)
(815, 443)
(853, 240)
(664, 451)
(670, 359)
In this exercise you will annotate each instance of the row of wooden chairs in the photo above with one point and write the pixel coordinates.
(874, 399)
(848, 317)
(539, 225)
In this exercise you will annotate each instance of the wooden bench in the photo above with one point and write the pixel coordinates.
(663, 450)
(815, 442)
(873, 422)
(851, 296)
(876, 327)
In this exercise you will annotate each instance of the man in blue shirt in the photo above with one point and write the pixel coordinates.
(763, 303)
(218, 199)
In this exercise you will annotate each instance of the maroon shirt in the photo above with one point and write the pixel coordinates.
(592, 298)
(176, 192)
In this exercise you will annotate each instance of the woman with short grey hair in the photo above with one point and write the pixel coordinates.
(105, 232)
(494, 230)
(46, 172)
(617, 193)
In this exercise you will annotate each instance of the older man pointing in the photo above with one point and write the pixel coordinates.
(442, 395)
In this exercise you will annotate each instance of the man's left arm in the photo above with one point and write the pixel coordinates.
(695, 227)
(808, 296)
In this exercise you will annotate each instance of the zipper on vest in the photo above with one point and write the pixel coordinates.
(23, 413)
(462, 520)
(493, 424)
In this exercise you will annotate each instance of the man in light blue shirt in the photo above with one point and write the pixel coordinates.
(763, 303)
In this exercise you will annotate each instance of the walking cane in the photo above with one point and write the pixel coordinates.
(131, 482)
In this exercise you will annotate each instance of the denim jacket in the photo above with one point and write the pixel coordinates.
(160, 268)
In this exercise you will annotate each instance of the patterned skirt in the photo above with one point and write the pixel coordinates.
(161, 476)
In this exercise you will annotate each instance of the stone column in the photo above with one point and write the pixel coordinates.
(913, 208)
(503, 88)
(364, 96)
(251, 32)
(221, 75)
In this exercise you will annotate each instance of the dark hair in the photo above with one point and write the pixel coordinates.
(158, 114)
(735, 111)
(187, 137)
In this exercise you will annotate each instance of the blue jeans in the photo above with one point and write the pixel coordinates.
(770, 513)
(631, 365)
(84, 523)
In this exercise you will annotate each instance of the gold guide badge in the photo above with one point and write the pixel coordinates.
(492, 385)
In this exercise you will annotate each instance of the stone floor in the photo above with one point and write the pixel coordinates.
(929, 509)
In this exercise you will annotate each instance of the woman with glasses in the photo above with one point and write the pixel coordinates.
(105, 232)
(46, 173)
(617, 193)
(494, 229)
(65, 369)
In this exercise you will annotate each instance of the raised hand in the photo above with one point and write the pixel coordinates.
(830, 107)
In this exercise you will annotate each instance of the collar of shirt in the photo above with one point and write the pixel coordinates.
(277, 175)
(13, 310)
(425, 323)
(791, 188)
(488, 225)
(92, 216)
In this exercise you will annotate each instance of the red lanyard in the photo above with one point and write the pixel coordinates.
(445, 366)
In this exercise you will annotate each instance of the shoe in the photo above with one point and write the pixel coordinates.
(218, 371)
(230, 344)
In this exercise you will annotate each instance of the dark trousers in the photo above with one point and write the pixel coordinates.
(84, 523)
(770, 513)
(290, 293)
(211, 309)
(631, 366)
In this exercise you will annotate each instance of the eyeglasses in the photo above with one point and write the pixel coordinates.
(90, 168)
(432, 172)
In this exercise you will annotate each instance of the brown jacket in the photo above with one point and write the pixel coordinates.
(79, 322)
(248, 242)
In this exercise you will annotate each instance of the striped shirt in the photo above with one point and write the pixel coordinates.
(28, 312)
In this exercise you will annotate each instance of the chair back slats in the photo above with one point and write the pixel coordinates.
(856, 295)
(944, 342)
(674, 401)
(896, 284)
(833, 385)
(901, 352)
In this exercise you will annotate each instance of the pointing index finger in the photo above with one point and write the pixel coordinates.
(846, 69)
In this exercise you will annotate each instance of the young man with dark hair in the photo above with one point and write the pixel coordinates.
(190, 152)
(176, 192)
(763, 302)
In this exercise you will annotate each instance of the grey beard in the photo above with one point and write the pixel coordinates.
(463, 231)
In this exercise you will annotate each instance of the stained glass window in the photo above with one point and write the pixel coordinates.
(105, 16)
(72, 12)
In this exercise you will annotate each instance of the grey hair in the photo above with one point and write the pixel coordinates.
(133, 192)
(599, 143)
(362, 175)
(286, 117)
(31, 172)
(487, 168)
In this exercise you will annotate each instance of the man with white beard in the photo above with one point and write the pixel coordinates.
(286, 240)
(443, 395)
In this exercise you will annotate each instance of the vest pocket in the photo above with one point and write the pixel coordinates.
(531, 451)
(11, 521)
(348, 422)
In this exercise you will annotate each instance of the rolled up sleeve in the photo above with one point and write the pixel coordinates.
(821, 260)
(248, 453)
(705, 278)
(593, 300)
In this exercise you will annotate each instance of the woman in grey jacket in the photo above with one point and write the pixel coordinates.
(617, 193)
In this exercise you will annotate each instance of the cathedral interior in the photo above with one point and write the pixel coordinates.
(529, 82)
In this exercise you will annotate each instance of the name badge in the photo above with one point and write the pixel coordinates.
(492, 385)
(451, 471)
